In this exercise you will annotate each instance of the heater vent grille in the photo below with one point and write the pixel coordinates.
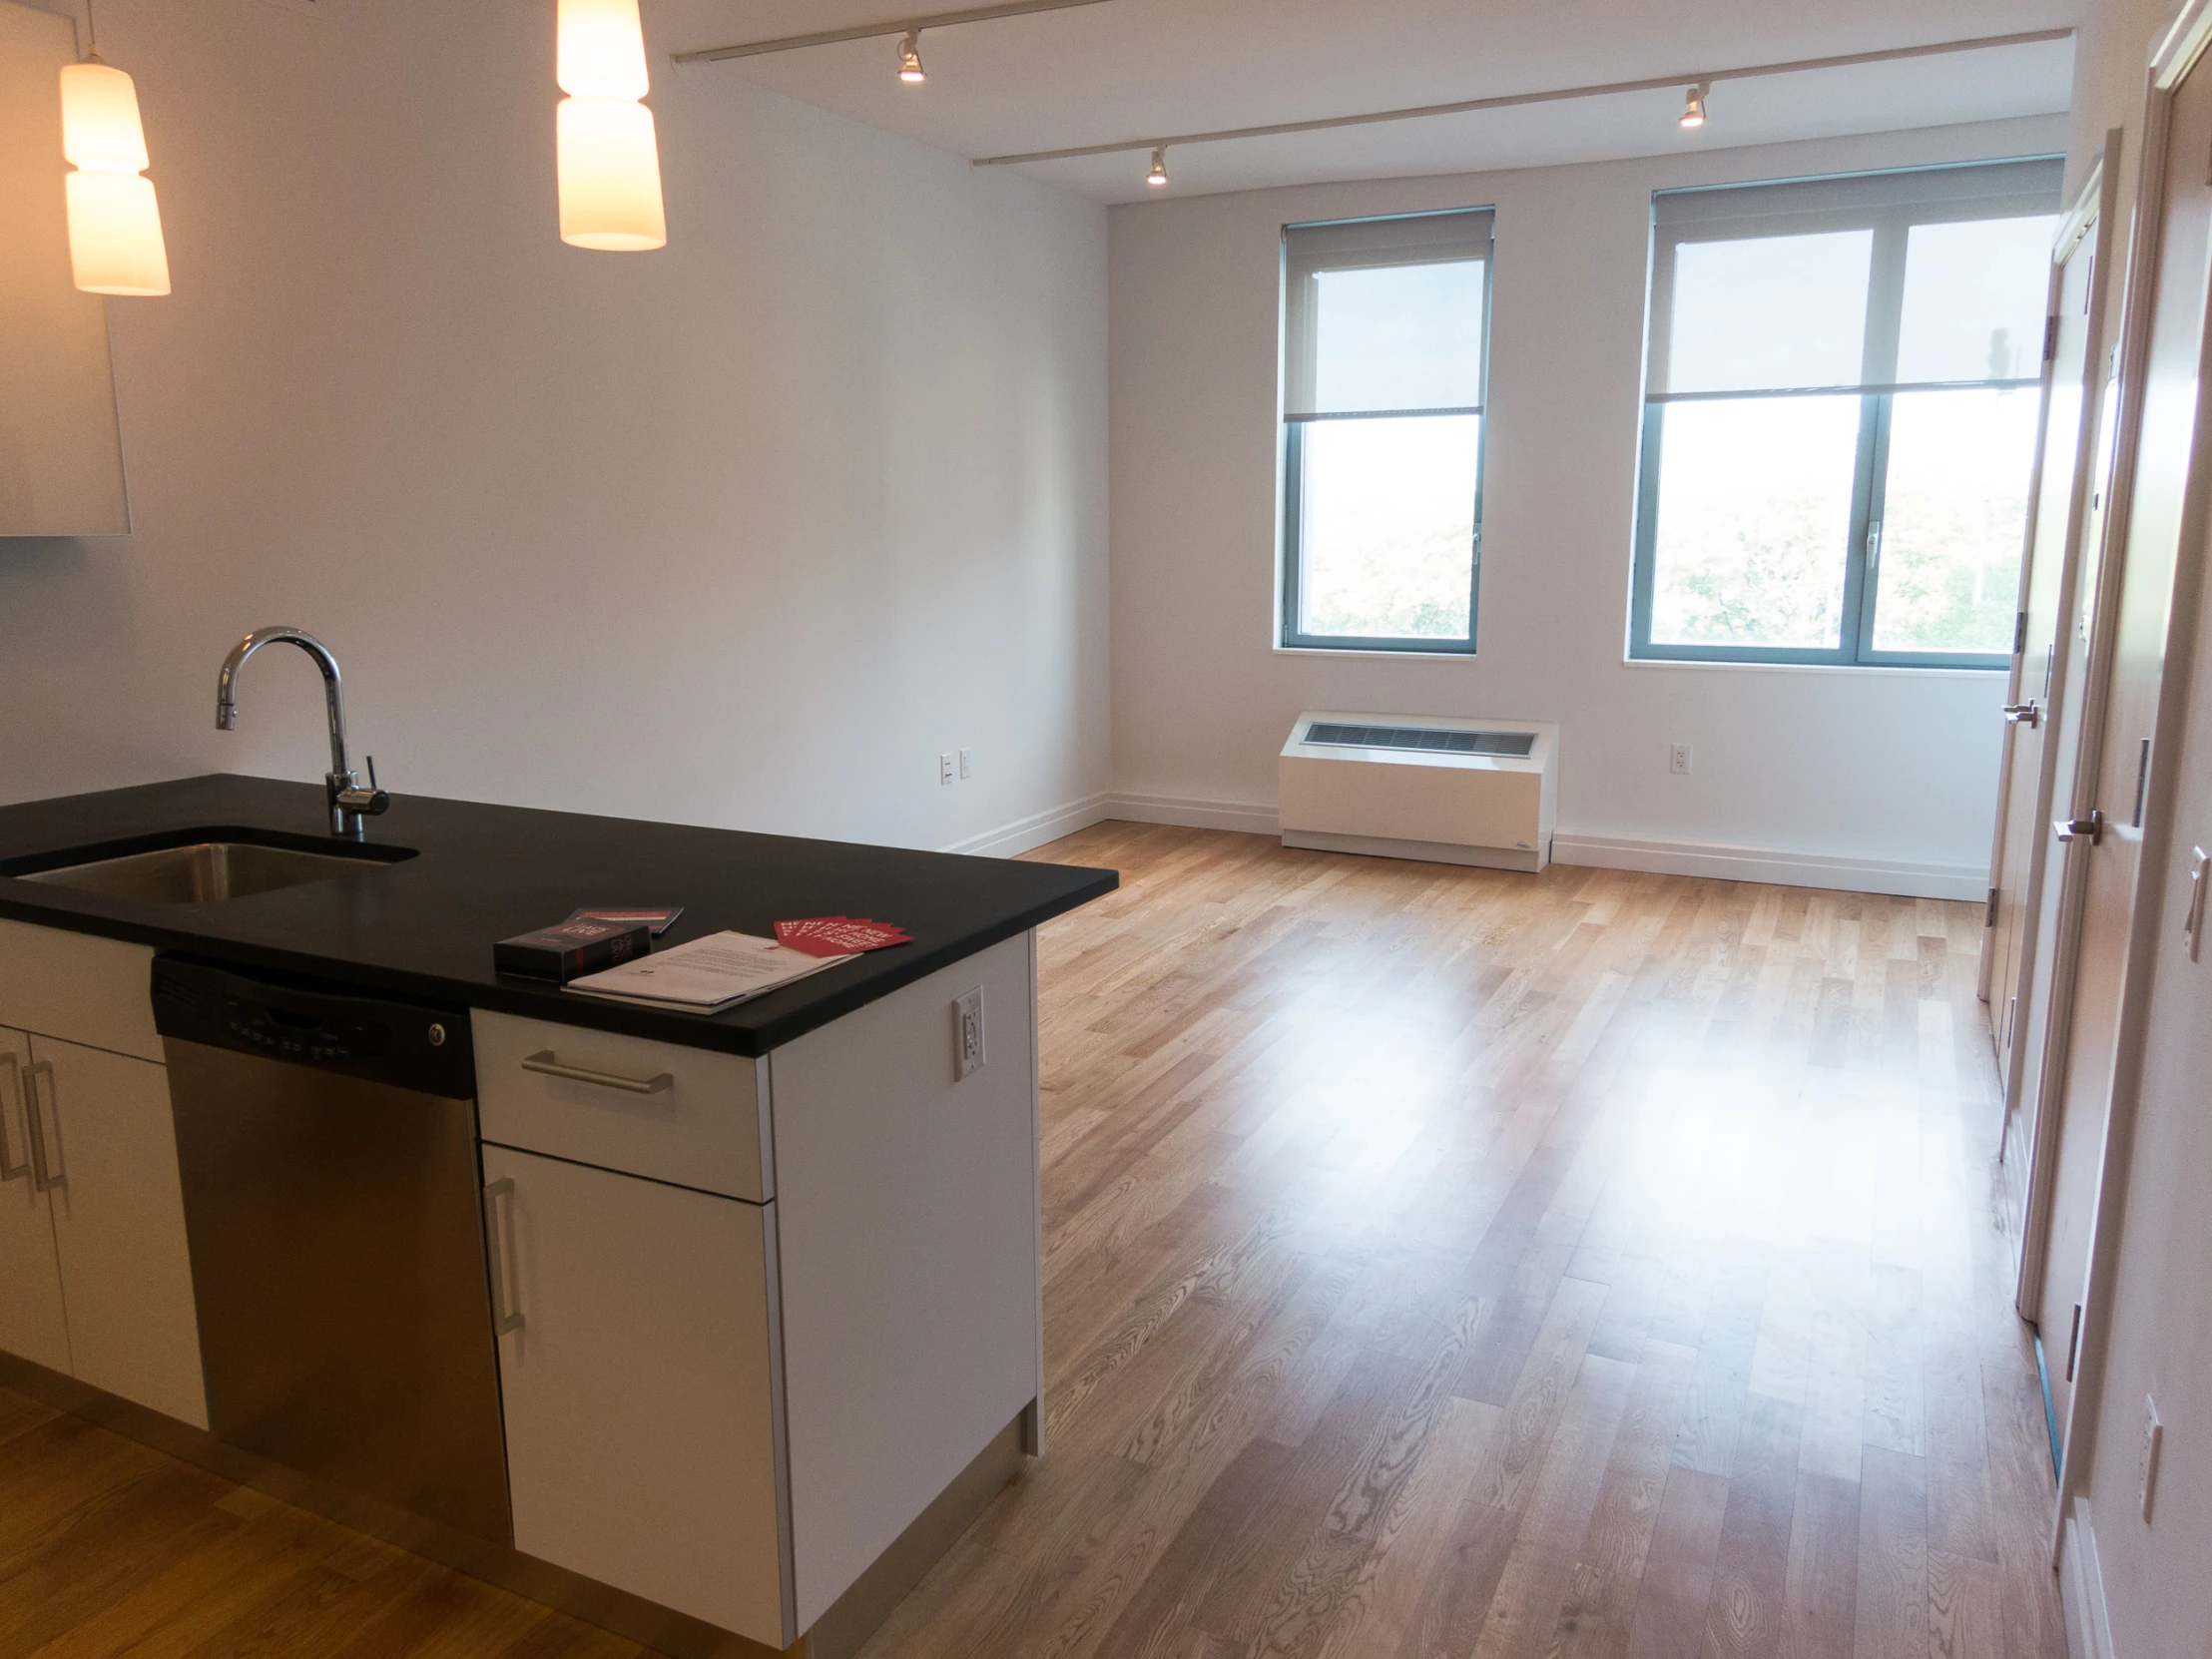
(1513, 745)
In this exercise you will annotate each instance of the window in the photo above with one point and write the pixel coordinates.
(1385, 325)
(1839, 420)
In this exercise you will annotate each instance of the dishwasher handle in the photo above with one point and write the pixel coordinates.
(506, 1305)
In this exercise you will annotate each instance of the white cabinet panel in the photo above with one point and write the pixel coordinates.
(119, 1226)
(907, 1241)
(32, 1325)
(684, 1115)
(640, 1419)
(77, 988)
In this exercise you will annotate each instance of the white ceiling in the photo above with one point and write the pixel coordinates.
(1135, 69)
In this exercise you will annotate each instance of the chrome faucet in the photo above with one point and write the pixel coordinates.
(350, 806)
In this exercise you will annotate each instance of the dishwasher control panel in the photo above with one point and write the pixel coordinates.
(309, 1023)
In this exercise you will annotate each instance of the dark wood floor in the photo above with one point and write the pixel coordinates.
(1438, 1263)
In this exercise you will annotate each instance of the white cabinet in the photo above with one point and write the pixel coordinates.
(31, 1319)
(641, 1444)
(119, 1226)
(94, 1233)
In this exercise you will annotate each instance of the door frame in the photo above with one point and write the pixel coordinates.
(2180, 51)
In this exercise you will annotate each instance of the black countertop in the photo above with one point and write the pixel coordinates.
(424, 928)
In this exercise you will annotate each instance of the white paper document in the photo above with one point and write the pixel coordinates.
(705, 975)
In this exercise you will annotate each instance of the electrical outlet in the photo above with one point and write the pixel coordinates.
(967, 1034)
(968, 763)
(1678, 758)
(2155, 1435)
(944, 767)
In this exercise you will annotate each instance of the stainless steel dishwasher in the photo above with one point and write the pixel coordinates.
(333, 1202)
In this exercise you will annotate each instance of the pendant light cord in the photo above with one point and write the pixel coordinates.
(92, 34)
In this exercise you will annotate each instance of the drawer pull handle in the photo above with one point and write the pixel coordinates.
(10, 1170)
(506, 1305)
(44, 1176)
(543, 1061)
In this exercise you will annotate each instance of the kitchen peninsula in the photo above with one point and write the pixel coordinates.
(752, 1300)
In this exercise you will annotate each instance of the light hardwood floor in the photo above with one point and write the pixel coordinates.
(1438, 1263)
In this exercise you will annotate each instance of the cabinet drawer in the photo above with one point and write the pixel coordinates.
(684, 1115)
(79, 987)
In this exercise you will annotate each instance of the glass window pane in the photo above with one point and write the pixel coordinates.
(1769, 314)
(1405, 337)
(1955, 519)
(1387, 522)
(1754, 521)
(1974, 300)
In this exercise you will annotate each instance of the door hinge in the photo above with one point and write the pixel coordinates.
(2050, 338)
(2019, 633)
(1989, 916)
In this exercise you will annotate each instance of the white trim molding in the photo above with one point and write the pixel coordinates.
(1776, 866)
(1253, 817)
(1035, 829)
(2082, 1589)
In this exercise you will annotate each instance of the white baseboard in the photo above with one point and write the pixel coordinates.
(1718, 860)
(1037, 828)
(2082, 1589)
(1773, 864)
(1252, 817)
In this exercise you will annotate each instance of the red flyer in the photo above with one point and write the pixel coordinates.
(838, 936)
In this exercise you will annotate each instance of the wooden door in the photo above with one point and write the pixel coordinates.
(119, 1226)
(2043, 723)
(2160, 487)
(32, 1324)
(641, 1447)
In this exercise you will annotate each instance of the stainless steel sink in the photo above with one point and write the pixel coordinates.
(204, 871)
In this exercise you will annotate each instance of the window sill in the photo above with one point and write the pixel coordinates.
(1887, 669)
(1376, 651)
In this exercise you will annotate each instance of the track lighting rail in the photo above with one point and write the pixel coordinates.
(872, 31)
(1653, 83)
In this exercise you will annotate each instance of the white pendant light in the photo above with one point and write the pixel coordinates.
(114, 224)
(909, 59)
(1693, 106)
(607, 157)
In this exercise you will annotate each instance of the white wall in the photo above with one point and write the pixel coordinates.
(1845, 777)
(742, 532)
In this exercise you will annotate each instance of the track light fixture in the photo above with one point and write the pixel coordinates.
(1693, 105)
(1158, 177)
(909, 59)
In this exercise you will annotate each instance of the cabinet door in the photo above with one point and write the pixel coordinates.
(639, 1422)
(31, 1323)
(119, 1226)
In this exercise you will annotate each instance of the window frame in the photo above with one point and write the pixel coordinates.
(1891, 222)
(1290, 458)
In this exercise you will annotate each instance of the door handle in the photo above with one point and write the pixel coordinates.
(544, 1062)
(2090, 828)
(10, 1170)
(45, 1176)
(506, 1305)
(2023, 713)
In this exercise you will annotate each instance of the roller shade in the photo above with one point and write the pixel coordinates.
(1384, 315)
(1870, 283)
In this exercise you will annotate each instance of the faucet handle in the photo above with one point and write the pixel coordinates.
(348, 794)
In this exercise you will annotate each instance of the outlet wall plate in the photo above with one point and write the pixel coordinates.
(1678, 758)
(967, 1034)
(944, 767)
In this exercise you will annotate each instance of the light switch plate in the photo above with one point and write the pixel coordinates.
(967, 1034)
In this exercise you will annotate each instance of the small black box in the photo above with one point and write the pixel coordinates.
(571, 949)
